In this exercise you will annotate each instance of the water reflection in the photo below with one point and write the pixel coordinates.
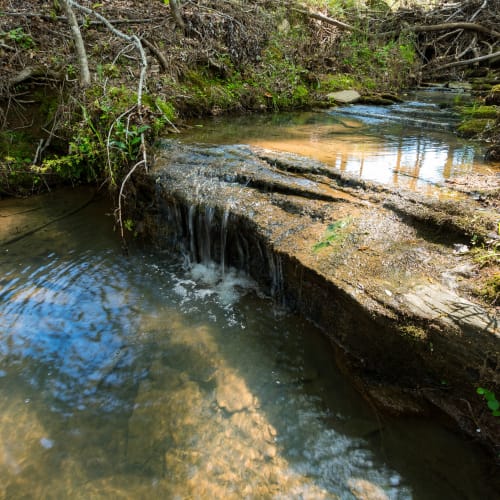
(133, 378)
(383, 149)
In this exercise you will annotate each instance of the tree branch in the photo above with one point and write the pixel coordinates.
(176, 14)
(326, 19)
(451, 26)
(471, 61)
(79, 45)
(134, 39)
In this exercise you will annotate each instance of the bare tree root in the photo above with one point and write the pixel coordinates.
(136, 41)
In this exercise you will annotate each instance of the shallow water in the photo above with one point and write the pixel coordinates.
(134, 377)
(406, 145)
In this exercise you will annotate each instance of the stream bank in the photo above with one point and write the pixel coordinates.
(378, 269)
(208, 57)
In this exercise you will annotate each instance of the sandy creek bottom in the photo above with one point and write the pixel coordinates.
(134, 377)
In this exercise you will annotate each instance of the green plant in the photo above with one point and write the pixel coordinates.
(390, 62)
(485, 255)
(21, 38)
(491, 401)
(333, 234)
(127, 138)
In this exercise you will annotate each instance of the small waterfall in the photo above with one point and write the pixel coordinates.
(205, 227)
(207, 235)
(192, 241)
(223, 239)
(276, 275)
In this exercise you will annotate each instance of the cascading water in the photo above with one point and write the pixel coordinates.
(212, 237)
(142, 378)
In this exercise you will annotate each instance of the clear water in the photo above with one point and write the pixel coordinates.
(133, 377)
(408, 146)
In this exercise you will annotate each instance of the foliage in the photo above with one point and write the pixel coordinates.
(16, 156)
(384, 65)
(338, 81)
(108, 134)
(19, 37)
(491, 401)
(334, 234)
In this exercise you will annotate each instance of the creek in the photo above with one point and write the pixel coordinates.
(150, 376)
(406, 145)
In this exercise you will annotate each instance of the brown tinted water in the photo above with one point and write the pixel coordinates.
(135, 377)
(405, 146)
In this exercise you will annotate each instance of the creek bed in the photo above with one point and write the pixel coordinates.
(140, 377)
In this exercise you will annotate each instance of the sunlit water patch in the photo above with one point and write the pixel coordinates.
(138, 377)
(403, 145)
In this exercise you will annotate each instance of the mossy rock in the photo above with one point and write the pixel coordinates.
(384, 99)
(474, 127)
(493, 98)
(487, 112)
(481, 86)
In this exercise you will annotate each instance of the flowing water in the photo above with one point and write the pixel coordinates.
(404, 145)
(136, 377)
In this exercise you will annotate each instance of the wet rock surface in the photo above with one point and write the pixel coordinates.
(373, 267)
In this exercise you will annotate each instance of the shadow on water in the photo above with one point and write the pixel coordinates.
(130, 377)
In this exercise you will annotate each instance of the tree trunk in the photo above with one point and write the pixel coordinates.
(79, 45)
(176, 14)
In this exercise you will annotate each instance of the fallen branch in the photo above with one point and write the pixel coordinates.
(33, 72)
(471, 61)
(329, 20)
(161, 58)
(7, 47)
(64, 18)
(451, 26)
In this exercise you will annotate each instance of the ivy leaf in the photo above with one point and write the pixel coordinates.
(493, 405)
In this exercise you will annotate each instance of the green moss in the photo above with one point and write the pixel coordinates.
(414, 332)
(486, 112)
(474, 127)
(491, 290)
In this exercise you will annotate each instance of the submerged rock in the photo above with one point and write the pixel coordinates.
(364, 262)
(232, 393)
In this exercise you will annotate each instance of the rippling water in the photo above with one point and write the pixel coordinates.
(132, 377)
